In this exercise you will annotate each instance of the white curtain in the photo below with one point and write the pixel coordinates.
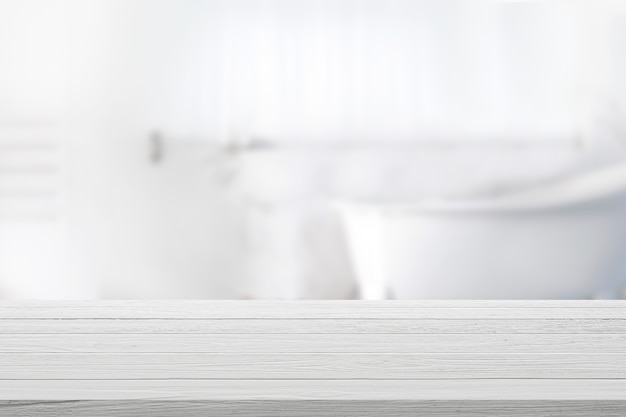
(352, 70)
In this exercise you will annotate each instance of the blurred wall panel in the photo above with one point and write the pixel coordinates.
(143, 229)
(33, 227)
(84, 84)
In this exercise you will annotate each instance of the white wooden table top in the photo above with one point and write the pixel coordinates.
(312, 358)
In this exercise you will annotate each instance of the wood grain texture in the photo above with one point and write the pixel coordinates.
(330, 309)
(337, 389)
(313, 326)
(310, 366)
(313, 408)
(465, 343)
(313, 358)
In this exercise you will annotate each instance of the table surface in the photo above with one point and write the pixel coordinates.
(312, 358)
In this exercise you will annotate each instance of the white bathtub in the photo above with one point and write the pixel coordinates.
(556, 240)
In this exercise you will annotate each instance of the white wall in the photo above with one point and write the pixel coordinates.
(126, 227)
(140, 229)
(32, 233)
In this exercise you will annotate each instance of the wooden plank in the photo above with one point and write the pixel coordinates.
(379, 390)
(303, 326)
(312, 343)
(398, 309)
(470, 358)
(314, 408)
(310, 366)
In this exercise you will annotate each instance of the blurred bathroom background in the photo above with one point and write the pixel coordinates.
(199, 148)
